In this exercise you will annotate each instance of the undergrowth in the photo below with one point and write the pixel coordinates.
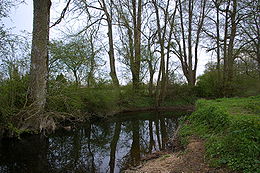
(231, 129)
(70, 101)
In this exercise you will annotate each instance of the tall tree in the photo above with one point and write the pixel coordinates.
(137, 20)
(149, 56)
(223, 35)
(39, 53)
(97, 11)
(111, 52)
(250, 31)
(130, 20)
(229, 41)
(164, 34)
(186, 44)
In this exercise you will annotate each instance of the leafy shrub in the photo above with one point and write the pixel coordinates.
(101, 101)
(208, 85)
(13, 94)
(180, 94)
(72, 99)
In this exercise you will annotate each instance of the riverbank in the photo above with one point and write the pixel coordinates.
(220, 134)
(190, 160)
(73, 104)
(48, 122)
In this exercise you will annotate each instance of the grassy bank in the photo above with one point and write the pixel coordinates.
(68, 101)
(231, 129)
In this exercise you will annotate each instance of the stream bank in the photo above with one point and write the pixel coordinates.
(48, 122)
(190, 160)
(221, 135)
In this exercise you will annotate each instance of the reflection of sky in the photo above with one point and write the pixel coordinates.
(77, 150)
(123, 147)
(101, 150)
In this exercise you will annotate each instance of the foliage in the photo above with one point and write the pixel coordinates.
(245, 82)
(78, 56)
(72, 55)
(180, 94)
(208, 85)
(231, 131)
(13, 94)
(70, 98)
(135, 99)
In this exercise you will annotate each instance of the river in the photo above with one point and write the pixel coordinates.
(110, 145)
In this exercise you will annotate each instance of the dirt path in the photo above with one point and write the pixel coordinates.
(191, 160)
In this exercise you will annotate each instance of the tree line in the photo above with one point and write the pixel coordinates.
(151, 38)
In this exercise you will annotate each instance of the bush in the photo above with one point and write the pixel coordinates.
(180, 94)
(242, 85)
(208, 85)
(72, 99)
(13, 94)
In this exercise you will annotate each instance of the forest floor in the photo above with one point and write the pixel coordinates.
(190, 160)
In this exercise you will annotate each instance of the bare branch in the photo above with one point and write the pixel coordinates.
(62, 14)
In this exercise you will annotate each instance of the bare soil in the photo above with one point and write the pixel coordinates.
(191, 160)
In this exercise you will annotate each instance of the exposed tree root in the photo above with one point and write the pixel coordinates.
(30, 119)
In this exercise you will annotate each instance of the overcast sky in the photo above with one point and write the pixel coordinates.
(21, 18)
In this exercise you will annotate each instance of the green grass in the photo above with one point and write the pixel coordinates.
(231, 129)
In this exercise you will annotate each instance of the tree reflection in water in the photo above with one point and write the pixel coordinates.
(104, 146)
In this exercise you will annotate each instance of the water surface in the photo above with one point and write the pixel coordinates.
(101, 146)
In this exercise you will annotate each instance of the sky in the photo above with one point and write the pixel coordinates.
(21, 19)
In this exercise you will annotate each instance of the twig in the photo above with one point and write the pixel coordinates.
(62, 14)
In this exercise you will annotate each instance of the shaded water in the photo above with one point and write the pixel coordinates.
(103, 146)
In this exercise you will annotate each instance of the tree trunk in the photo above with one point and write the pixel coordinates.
(76, 76)
(218, 42)
(112, 56)
(134, 38)
(113, 146)
(150, 68)
(161, 32)
(225, 51)
(188, 54)
(200, 24)
(111, 45)
(191, 81)
(151, 72)
(186, 60)
(91, 80)
(135, 148)
(39, 53)
(137, 42)
(229, 59)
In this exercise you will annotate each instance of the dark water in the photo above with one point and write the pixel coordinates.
(104, 146)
